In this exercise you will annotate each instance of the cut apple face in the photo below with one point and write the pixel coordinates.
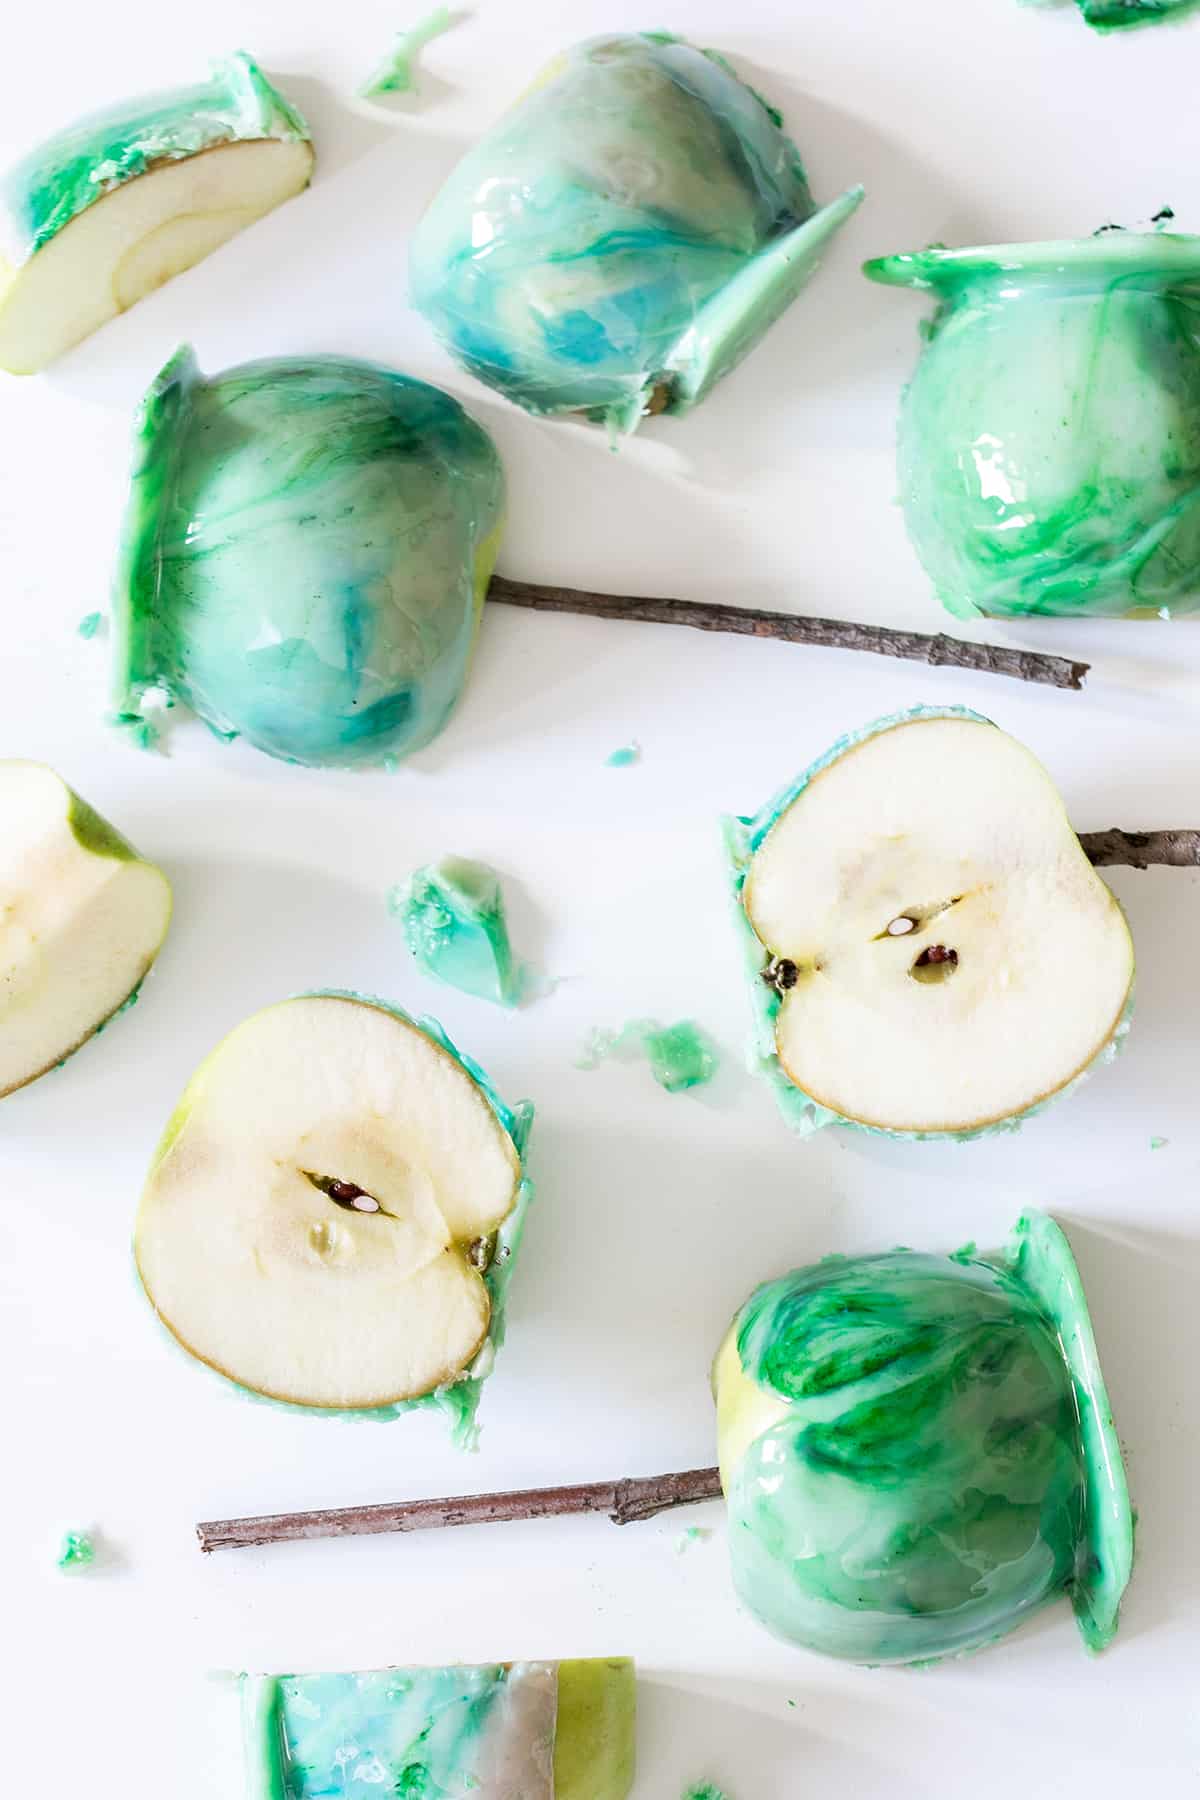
(111, 208)
(81, 920)
(323, 1207)
(944, 954)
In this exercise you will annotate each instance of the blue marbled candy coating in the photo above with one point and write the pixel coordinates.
(623, 236)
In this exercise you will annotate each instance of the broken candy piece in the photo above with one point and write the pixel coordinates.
(108, 209)
(681, 1056)
(307, 545)
(454, 920)
(917, 1451)
(1049, 442)
(624, 235)
(496, 1731)
(625, 757)
(396, 74)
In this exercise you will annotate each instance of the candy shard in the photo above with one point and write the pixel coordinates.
(455, 923)
(503, 1731)
(397, 73)
(937, 1434)
(624, 235)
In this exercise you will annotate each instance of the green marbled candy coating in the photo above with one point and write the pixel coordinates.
(85, 161)
(946, 1460)
(1049, 442)
(1114, 15)
(628, 230)
(306, 551)
(743, 837)
(497, 1731)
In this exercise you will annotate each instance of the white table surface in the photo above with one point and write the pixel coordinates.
(969, 120)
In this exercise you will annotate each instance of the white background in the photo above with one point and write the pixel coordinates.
(969, 120)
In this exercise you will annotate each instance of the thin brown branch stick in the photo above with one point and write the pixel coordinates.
(625, 1502)
(938, 651)
(1141, 849)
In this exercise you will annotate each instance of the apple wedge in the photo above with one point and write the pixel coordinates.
(82, 918)
(331, 1215)
(937, 955)
(109, 209)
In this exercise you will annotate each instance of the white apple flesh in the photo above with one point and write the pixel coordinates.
(946, 955)
(137, 237)
(82, 918)
(319, 1210)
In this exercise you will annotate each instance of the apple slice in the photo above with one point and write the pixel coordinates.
(321, 1216)
(110, 208)
(941, 956)
(82, 918)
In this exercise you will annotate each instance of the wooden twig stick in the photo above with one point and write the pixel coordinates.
(1142, 849)
(938, 651)
(625, 1502)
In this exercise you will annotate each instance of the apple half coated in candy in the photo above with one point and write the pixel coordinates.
(624, 235)
(307, 547)
(331, 1217)
(1049, 441)
(82, 918)
(110, 208)
(495, 1731)
(918, 1451)
(932, 953)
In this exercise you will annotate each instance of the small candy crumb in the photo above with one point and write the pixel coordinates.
(625, 757)
(90, 624)
(706, 1791)
(1157, 1143)
(77, 1551)
(695, 1534)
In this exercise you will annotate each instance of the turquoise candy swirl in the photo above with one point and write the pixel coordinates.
(1050, 439)
(918, 1451)
(623, 236)
(307, 547)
